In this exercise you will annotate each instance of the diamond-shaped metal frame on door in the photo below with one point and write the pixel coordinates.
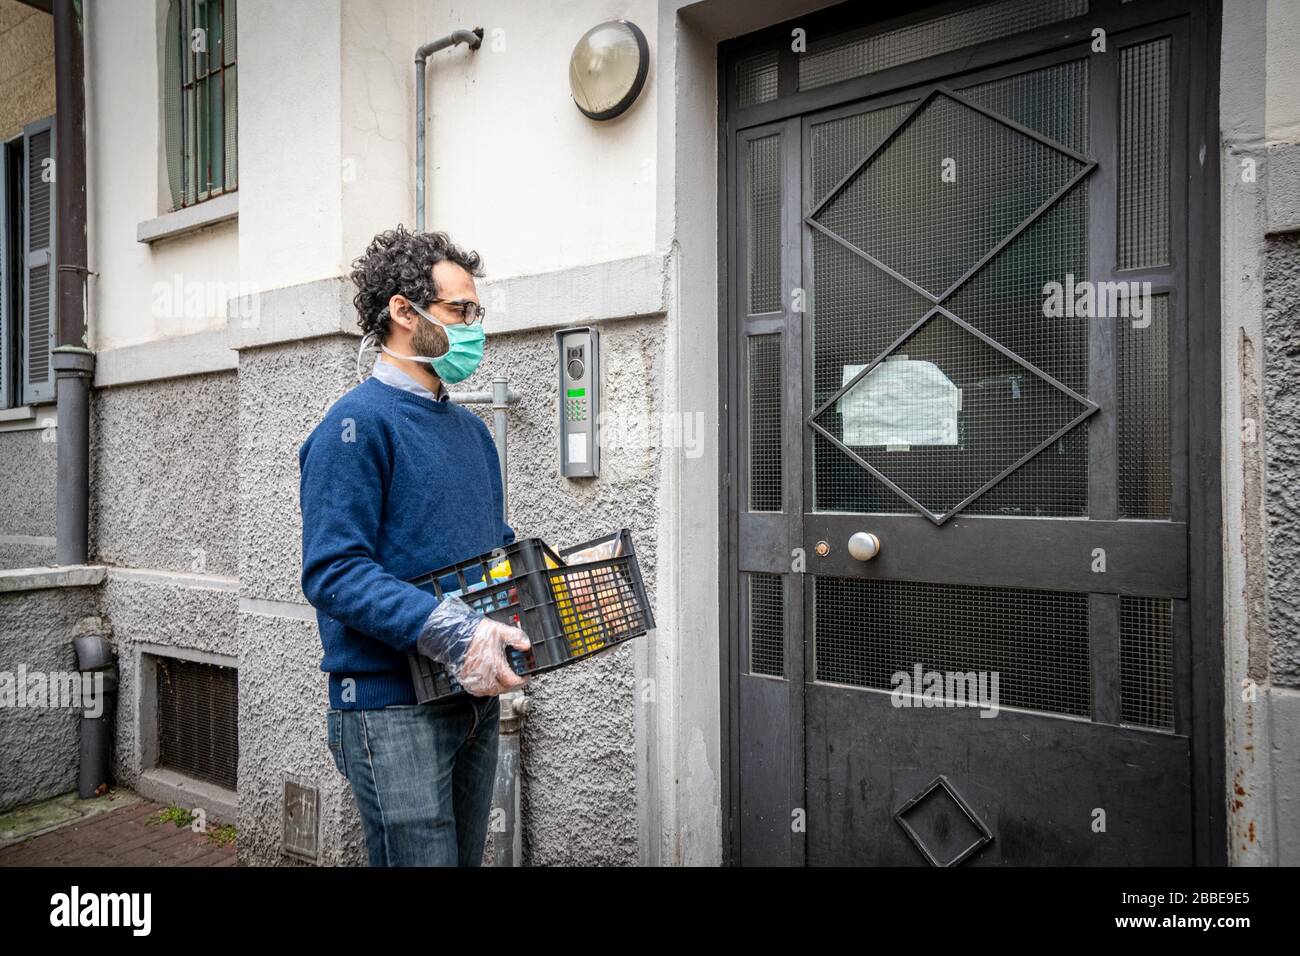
(1057, 425)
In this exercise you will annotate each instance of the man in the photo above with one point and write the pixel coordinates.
(397, 481)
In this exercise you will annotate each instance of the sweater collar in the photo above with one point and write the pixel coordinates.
(390, 374)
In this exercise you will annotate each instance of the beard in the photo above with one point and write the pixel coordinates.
(429, 339)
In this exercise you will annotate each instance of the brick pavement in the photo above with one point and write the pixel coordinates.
(119, 838)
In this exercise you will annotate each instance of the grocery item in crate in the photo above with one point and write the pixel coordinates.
(570, 607)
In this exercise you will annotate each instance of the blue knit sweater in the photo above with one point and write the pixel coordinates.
(393, 485)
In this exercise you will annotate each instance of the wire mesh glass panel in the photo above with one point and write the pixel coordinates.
(1144, 154)
(843, 56)
(945, 414)
(764, 224)
(902, 210)
(838, 145)
(1142, 411)
(765, 459)
(1052, 101)
(1035, 642)
(858, 312)
(1146, 662)
(756, 78)
(944, 191)
(766, 625)
(1005, 300)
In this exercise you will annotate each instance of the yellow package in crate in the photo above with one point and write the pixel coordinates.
(579, 618)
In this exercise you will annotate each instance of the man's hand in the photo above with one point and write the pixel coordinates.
(485, 669)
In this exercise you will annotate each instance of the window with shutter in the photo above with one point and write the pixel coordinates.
(39, 266)
(200, 91)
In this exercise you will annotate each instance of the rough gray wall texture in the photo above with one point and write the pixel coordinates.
(1282, 437)
(579, 744)
(163, 478)
(38, 747)
(284, 391)
(26, 555)
(282, 701)
(166, 614)
(26, 495)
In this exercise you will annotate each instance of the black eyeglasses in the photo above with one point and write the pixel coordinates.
(470, 312)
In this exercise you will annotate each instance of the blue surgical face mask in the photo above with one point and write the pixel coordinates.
(463, 355)
(464, 349)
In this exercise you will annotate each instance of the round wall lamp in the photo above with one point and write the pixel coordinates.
(608, 68)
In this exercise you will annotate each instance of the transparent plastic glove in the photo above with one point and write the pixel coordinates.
(485, 669)
(472, 647)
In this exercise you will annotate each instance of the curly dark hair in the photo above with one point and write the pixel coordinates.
(399, 262)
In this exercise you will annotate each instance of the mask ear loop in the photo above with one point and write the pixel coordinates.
(365, 341)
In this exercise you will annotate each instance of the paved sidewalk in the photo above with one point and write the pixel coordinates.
(119, 838)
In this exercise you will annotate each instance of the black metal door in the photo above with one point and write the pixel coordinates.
(960, 314)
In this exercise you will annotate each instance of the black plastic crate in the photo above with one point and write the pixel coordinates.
(568, 610)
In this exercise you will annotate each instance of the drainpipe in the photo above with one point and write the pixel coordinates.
(500, 398)
(98, 666)
(73, 361)
(471, 38)
(507, 843)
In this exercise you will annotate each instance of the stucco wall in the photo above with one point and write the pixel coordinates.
(579, 801)
(27, 473)
(163, 477)
(38, 746)
(284, 391)
(1282, 444)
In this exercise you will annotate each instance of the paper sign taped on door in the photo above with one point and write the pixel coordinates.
(899, 402)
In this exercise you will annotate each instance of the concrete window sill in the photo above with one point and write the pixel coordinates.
(190, 219)
(39, 579)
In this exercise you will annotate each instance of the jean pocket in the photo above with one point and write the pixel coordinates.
(334, 738)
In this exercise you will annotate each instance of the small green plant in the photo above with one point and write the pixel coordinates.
(173, 814)
(223, 835)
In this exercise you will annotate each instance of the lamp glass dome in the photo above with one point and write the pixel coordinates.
(608, 68)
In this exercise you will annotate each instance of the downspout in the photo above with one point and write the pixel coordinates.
(73, 361)
(471, 38)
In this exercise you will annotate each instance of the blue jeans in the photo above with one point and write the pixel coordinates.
(421, 776)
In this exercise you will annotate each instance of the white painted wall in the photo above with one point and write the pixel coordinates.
(515, 170)
(326, 151)
(1282, 95)
(123, 132)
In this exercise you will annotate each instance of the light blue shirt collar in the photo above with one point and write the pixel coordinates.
(390, 374)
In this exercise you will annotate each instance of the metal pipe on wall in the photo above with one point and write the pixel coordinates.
(73, 361)
(501, 398)
(471, 38)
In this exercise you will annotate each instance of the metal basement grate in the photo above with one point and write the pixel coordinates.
(766, 625)
(198, 720)
(1036, 641)
(1146, 662)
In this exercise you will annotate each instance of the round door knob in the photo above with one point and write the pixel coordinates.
(864, 545)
